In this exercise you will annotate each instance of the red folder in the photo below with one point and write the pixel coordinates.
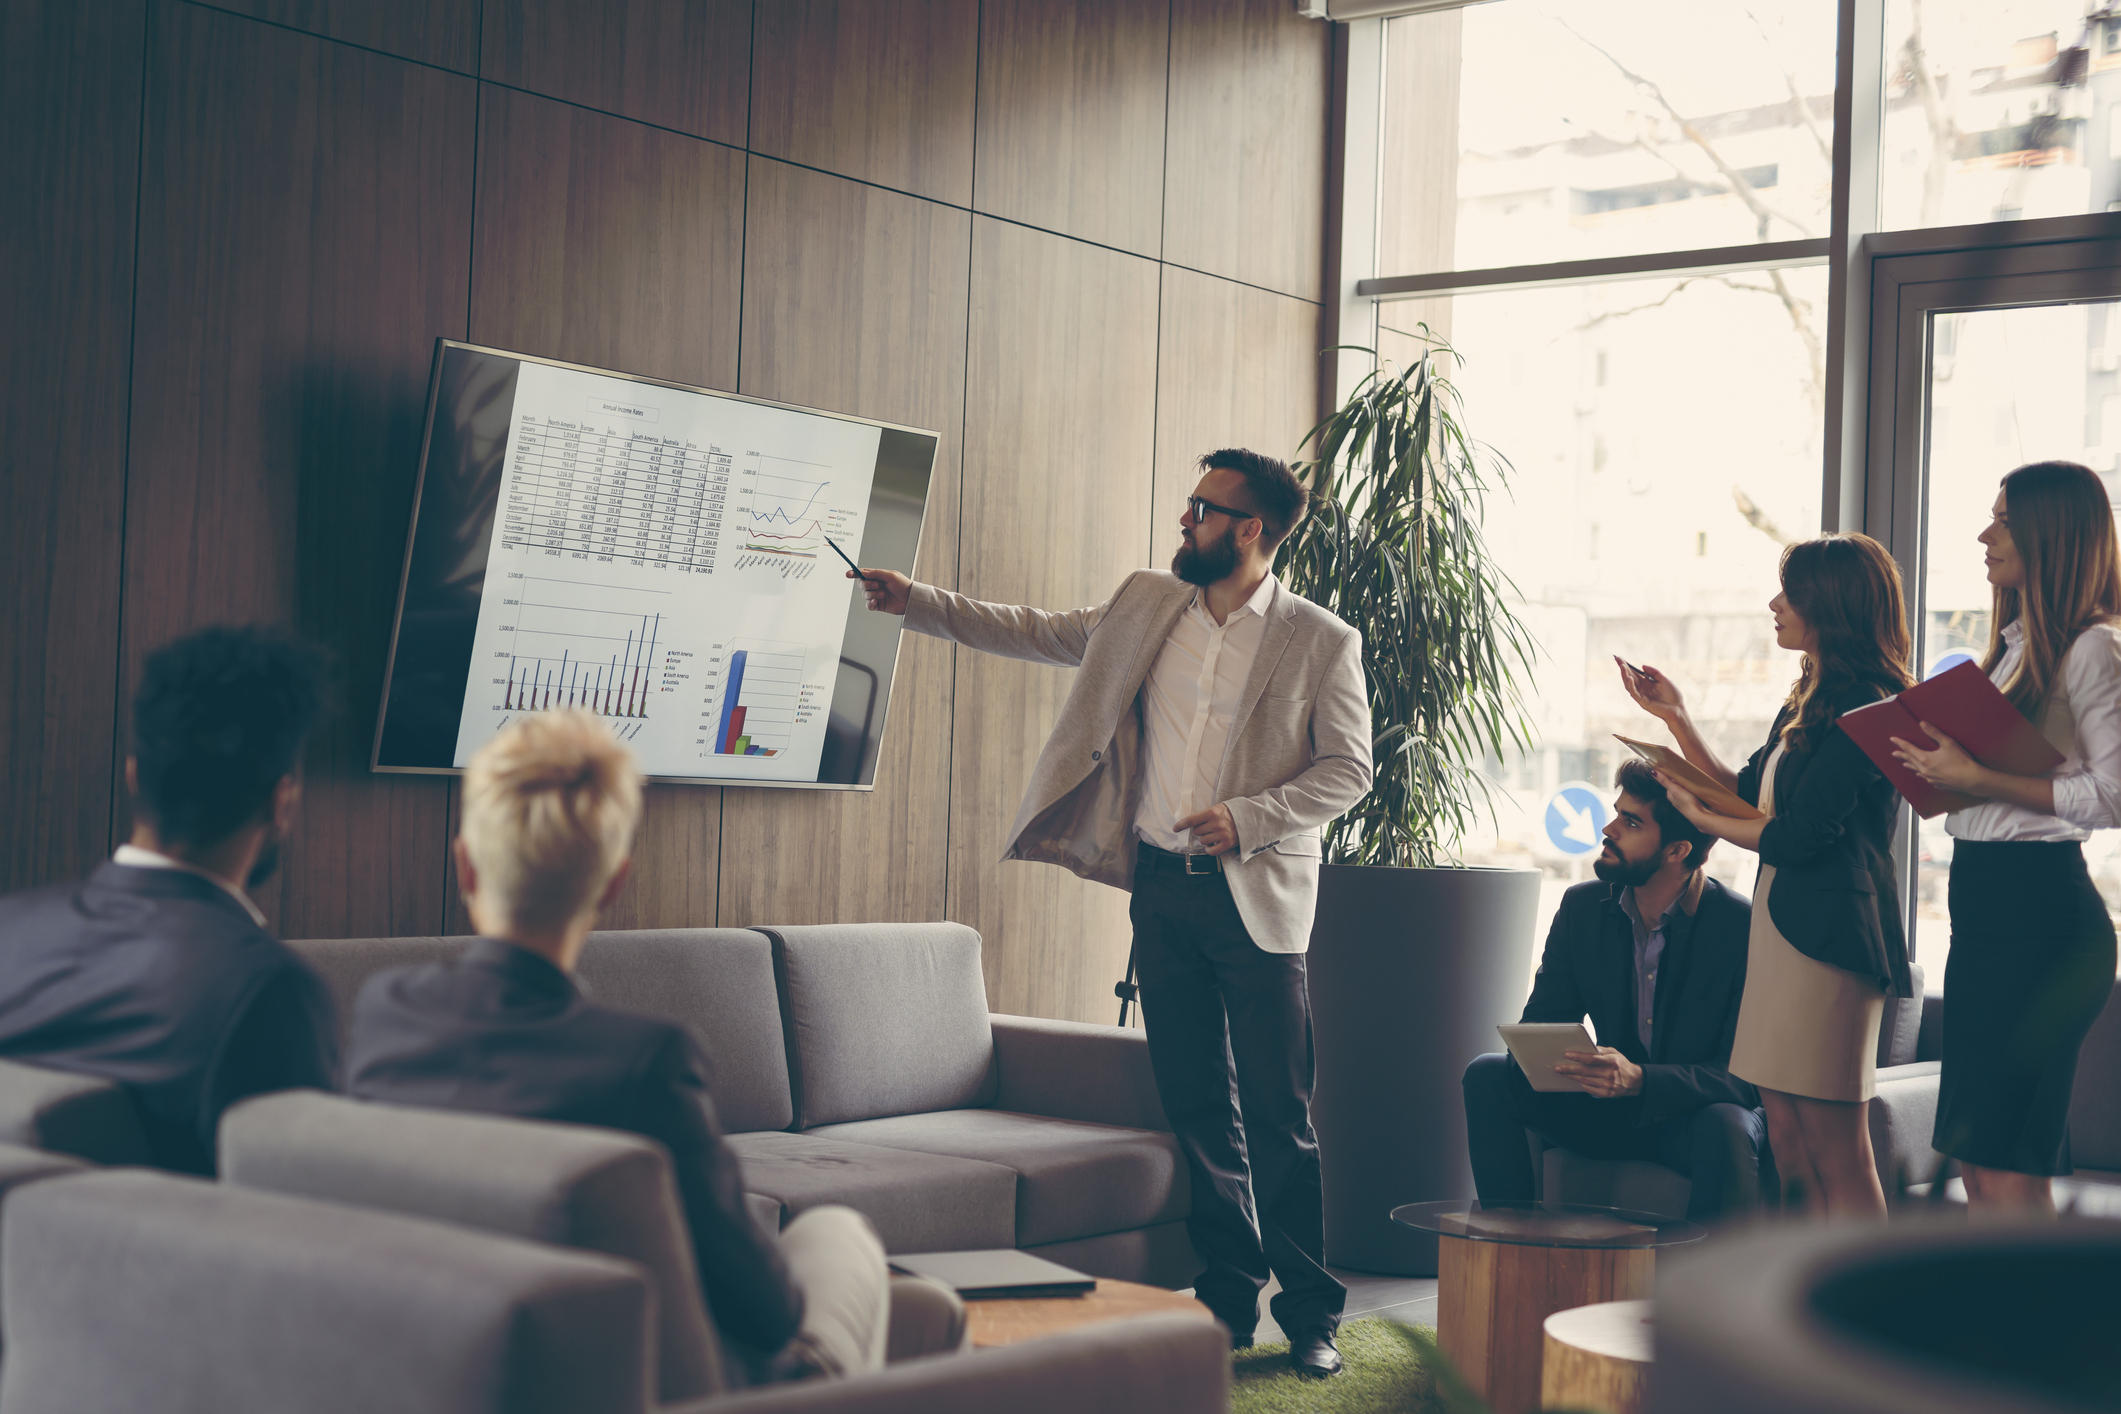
(1968, 708)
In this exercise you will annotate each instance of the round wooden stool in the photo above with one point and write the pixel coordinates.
(1597, 1357)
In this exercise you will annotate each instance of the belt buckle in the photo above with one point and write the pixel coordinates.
(1208, 863)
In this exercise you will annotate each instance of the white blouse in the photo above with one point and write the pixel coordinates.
(2088, 782)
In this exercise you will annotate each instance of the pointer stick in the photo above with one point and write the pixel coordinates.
(850, 564)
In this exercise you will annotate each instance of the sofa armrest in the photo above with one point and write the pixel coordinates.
(1903, 1117)
(1076, 1070)
(1151, 1364)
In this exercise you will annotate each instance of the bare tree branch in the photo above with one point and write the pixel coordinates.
(1739, 185)
(1789, 80)
(1944, 131)
(1756, 517)
(1612, 314)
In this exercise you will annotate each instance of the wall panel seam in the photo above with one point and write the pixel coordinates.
(238, 15)
(125, 466)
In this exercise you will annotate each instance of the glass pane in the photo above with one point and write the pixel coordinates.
(1999, 109)
(1528, 131)
(2007, 386)
(1664, 439)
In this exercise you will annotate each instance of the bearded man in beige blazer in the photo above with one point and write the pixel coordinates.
(1216, 724)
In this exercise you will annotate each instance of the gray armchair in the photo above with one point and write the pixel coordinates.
(70, 1114)
(133, 1290)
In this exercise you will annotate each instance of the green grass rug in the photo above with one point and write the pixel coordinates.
(1384, 1375)
(1391, 1369)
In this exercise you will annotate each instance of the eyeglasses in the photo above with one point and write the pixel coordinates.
(1198, 510)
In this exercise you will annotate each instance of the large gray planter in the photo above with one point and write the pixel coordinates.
(1411, 970)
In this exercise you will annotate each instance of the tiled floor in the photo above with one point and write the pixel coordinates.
(1408, 1299)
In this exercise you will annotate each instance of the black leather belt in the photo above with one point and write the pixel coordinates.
(1150, 857)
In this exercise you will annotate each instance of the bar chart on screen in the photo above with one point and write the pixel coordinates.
(762, 688)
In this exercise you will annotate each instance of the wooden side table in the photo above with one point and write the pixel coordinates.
(1504, 1268)
(1007, 1320)
(1597, 1357)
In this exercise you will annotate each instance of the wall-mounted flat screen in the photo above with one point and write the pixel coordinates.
(657, 554)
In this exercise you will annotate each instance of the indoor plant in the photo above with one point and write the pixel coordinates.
(1413, 962)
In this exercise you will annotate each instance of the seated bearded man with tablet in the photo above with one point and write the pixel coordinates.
(1653, 951)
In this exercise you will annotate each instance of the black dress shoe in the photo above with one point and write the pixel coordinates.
(1314, 1355)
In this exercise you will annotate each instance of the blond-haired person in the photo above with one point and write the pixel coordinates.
(550, 806)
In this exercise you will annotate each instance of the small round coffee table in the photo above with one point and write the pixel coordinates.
(1007, 1320)
(1598, 1357)
(1503, 1268)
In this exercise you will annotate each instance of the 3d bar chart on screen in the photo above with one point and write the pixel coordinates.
(650, 562)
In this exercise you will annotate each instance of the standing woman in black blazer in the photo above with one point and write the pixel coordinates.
(2032, 957)
(1826, 947)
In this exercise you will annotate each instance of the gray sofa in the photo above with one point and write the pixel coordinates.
(131, 1290)
(858, 1064)
(1902, 1118)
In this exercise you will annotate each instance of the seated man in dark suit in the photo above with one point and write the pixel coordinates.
(1654, 952)
(550, 806)
(157, 971)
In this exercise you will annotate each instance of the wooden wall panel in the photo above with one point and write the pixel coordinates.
(605, 242)
(683, 64)
(70, 104)
(440, 32)
(305, 213)
(855, 301)
(1059, 438)
(878, 90)
(1245, 186)
(1235, 367)
(1071, 118)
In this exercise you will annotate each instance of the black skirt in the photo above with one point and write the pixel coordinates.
(2032, 963)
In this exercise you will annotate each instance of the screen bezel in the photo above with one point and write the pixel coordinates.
(434, 387)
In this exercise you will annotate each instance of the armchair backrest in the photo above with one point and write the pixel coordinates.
(81, 1115)
(594, 1189)
(129, 1290)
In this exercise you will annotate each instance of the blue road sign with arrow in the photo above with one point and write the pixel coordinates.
(1576, 814)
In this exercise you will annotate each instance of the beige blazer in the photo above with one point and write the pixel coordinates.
(1299, 751)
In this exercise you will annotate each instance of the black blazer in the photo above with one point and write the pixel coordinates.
(502, 1031)
(158, 980)
(1589, 968)
(1831, 843)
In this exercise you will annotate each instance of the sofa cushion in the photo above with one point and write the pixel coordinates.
(917, 1202)
(1634, 1184)
(566, 1184)
(1900, 1031)
(1074, 1179)
(883, 1019)
(716, 982)
(82, 1115)
(134, 1290)
(2095, 1103)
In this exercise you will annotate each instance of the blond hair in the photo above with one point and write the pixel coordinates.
(550, 806)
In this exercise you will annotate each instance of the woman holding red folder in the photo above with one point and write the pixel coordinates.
(2032, 958)
(1826, 946)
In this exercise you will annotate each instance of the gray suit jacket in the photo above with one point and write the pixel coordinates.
(1299, 751)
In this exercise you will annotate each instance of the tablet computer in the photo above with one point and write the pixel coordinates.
(1539, 1046)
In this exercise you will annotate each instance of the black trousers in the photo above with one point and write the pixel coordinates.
(1230, 1041)
(2032, 966)
(1722, 1149)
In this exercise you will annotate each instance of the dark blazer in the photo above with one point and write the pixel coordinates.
(1589, 968)
(502, 1031)
(1831, 843)
(158, 980)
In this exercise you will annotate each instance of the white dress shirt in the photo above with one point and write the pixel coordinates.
(2088, 782)
(134, 857)
(1189, 704)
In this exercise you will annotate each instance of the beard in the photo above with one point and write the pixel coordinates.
(268, 862)
(1196, 563)
(1614, 868)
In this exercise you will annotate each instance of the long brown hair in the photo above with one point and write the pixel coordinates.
(2063, 526)
(1848, 589)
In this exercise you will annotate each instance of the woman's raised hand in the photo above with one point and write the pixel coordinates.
(1653, 692)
